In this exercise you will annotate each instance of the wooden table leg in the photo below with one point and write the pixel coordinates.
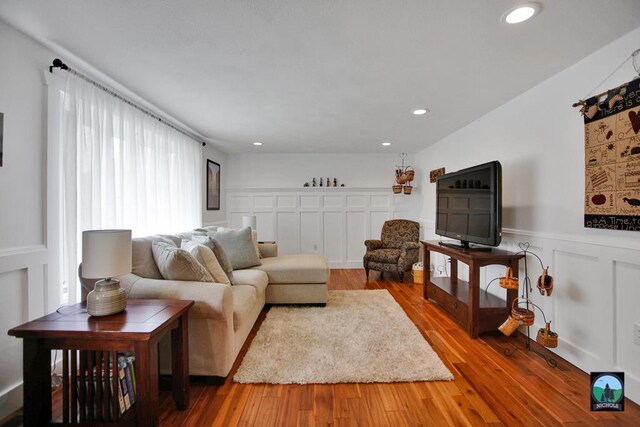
(37, 383)
(473, 320)
(180, 363)
(426, 270)
(147, 406)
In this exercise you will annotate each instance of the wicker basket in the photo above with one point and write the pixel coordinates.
(418, 273)
(508, 281)
(522, 314)
(545, 283)
(397, 189)
(509, 326)
(547, 337)
(410, 173)
(407, 189)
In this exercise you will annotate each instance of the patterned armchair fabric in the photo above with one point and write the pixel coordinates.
(397, 249)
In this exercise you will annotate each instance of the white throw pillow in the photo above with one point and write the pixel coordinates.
(177, 264)
(207, 258)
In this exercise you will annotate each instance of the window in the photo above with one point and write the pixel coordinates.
(118, 168)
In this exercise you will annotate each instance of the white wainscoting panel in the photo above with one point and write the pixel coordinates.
(287, 225)
(331, 221)
(310, 238)
(27, 294)
(310, 202)
(263, 202)
(333, 229)
(356, 235)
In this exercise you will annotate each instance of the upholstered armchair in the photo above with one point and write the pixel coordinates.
(396, 250)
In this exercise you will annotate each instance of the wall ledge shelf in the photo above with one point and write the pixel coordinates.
(308, 189)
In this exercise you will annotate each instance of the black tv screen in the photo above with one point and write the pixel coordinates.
(469, 205)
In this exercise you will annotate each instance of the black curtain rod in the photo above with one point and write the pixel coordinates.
(57, 63)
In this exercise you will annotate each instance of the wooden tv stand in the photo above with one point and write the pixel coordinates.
(466, 302)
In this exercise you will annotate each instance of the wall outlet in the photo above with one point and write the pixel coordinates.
(636, 333)
(315, 247)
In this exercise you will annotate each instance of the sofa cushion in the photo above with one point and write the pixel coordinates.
(142, 262)
(177, 264)
(300, 268)
(219, 252)
(206, 257)
(238, 244)
(244, 298)
(256, 278)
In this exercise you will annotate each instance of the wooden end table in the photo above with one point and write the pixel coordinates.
(138, 329)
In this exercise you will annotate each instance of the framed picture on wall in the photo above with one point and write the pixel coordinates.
(1, 135)
(213, 186)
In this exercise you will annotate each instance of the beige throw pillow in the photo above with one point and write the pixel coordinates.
(220, 254)
(177, 264)
(207, 258)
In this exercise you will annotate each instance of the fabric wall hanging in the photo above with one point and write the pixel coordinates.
(612, 158)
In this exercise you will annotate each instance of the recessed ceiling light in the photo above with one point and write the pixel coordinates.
(386, 144)
(521, 13)
(420, 111)
(257, 143)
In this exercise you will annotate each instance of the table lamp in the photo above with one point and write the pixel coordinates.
(249, 221)
(106, 254)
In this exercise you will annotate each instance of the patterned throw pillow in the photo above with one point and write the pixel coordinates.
(220, 254)
(207, 258)
(177, 264)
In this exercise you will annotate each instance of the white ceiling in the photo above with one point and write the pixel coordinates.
(324, 76)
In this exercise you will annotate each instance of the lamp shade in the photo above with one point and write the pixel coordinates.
(106, 253)
(249, 221)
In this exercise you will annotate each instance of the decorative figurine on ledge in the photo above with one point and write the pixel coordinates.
(335, 182)
(320, 182)
(314, 182)
(306, 184)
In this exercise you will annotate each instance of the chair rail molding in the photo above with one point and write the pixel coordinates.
(333, 221)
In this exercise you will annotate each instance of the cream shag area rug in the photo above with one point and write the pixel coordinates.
(359, 337)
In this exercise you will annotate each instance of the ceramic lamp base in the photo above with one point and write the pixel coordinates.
(107, 298)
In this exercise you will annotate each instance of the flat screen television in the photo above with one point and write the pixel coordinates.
(469, 206)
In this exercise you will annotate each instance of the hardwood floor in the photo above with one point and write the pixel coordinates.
(489, 388)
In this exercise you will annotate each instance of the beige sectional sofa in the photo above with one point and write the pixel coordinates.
(223, 315)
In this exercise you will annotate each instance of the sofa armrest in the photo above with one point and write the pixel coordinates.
(268, 249)
(373, 244)
(212, 300)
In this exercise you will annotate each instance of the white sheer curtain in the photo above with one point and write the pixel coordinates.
(122, 169)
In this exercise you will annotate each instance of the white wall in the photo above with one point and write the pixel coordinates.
(293, 170)
(23, 252)
(539, 140)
